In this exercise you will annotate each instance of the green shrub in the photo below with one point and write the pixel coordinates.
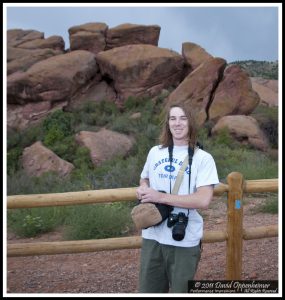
(99, 221)
(31, 222)
(13, 138)
(13, 163)
(49, 182)
(65, 148)
(17, 141)
(117, 173)
(31, 135)
(32, 225)
(82, 158)
(132, 103)
(53, 135)
(124, 124)
(251, 163)
(95, 113)
(223, 137)
(57, 126)
(270, 206)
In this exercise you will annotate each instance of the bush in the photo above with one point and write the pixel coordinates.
(223, 137)
(251, 163)
(57, 126)
(34, 221)
(132, 103)
(99, 221)
(13, 138)
(270, 206)
(13, 164)
(96, 113)
(31, 135)
(82, 158)
(65, 148)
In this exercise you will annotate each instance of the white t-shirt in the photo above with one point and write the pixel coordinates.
(157, 169)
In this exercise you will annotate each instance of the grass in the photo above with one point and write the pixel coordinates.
(269, 203)
(98, 221)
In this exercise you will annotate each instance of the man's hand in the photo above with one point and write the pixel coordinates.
(151, 195)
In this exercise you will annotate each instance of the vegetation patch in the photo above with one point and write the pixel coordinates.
(57, 132)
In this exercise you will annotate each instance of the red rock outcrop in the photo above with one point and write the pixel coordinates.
(37, 159)
(267, 89)
(89, 36)
(54, 79)
(244, 129)
(21, 117)
(194, 55)
(140, 70)
(16, 37)
(197, 88)
(104, 144)
(41, 78)
(234, 95)
(129, 34)
(20, 60)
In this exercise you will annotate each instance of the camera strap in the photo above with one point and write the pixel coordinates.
(180, 175)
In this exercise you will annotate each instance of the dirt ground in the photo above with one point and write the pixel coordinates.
(116, 271)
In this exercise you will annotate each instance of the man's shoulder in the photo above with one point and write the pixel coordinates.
(202, 154)
(157, 148)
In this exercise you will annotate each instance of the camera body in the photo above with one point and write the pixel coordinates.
(179, 222)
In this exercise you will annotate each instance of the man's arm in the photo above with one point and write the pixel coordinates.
(200, 199)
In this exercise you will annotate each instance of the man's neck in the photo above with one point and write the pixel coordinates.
(180, 143)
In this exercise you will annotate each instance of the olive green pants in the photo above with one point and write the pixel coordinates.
(165, 267)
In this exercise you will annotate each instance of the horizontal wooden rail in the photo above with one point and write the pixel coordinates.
(71, 198)
(261, 185)
(234, 234)
(260, 232)
(68, 247)
(115, 195)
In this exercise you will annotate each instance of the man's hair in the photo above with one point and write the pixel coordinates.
(166, 135)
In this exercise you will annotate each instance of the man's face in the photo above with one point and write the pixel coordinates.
(178, 125)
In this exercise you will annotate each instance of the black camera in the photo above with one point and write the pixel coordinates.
(179, 221)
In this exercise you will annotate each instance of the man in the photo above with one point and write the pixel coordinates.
(168, 262)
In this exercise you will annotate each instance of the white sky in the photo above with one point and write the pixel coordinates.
(233, 33)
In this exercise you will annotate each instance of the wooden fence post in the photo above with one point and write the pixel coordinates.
(234, 226)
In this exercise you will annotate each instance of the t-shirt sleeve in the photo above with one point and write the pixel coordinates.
(145, 171)
(207, 172)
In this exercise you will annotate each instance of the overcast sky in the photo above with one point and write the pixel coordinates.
(232, 33)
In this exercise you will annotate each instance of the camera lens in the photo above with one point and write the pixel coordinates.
(178, 232)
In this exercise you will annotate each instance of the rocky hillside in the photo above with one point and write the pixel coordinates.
(116, 64)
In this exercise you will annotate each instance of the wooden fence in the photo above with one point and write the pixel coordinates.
(233, 234)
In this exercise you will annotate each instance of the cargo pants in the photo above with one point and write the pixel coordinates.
(166, 268)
